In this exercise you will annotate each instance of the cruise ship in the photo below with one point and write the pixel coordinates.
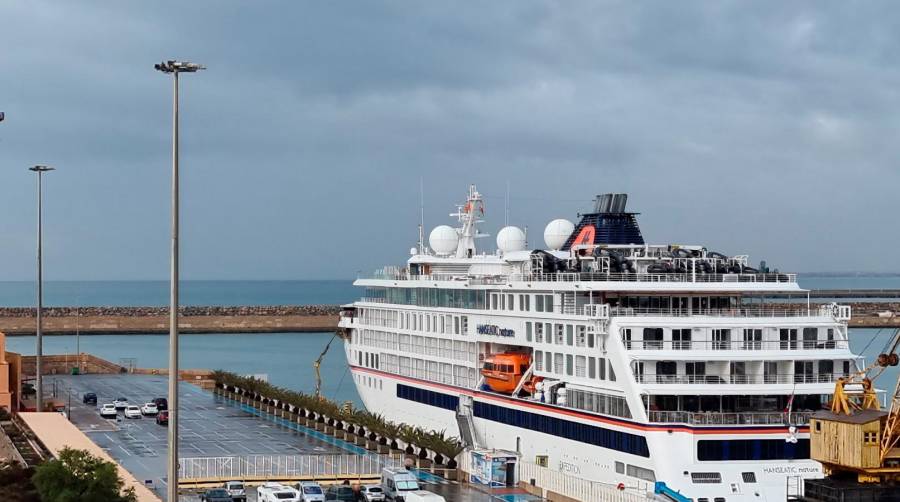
(602, 356)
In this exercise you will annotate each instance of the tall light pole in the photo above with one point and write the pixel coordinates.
(174, 67)
(39, 352)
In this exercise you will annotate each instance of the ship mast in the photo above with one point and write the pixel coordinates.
(469, 215)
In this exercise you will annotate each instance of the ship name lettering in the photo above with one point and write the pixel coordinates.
(492, 329)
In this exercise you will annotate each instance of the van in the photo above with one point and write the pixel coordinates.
(397, 483)
(422, 496)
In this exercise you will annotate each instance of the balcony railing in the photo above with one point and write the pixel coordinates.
(737, 418)
(402, 275)
(738, 379)
(833, 311)
(735, 345)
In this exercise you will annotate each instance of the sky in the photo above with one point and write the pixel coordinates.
(760, 128)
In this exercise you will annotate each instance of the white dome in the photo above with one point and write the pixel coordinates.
(556, 233)
(510, 239)
(443, 239)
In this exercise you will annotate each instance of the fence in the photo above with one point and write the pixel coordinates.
(578, 488)
(263, 467)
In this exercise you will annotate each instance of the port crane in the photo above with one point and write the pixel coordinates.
(845, 439)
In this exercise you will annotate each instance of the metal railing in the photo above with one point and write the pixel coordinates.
(840, 312)
(735, 418)
(735, 345)
(402, 275)
(261, 467)
(738, 379)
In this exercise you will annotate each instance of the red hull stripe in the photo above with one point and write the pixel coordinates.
(487, 396)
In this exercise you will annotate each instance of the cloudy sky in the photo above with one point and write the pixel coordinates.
(751, 127)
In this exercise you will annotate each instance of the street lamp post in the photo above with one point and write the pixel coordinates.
(39, 352)
(174, 67)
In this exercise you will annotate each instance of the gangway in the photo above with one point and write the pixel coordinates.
(660, 488)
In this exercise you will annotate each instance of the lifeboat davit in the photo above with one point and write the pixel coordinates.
(502, 372)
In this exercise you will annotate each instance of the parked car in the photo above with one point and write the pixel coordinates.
(149, 409)
(121, 403)
(422, 496)
(162, 418)
(236, 490)
(161, 403)
(132, 411)
(310, 491)
(215, 495)
(108, 410)
(373, 493)
(89, 398)
(398, 482)
(276, 492)
(339, 493)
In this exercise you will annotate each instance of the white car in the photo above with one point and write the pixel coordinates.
(276, 492)
(373, 493)
(132, 411)
(108, 410)
(121, 403)
(149, 409)
(310, 491)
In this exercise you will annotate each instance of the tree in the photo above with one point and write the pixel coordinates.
(15, 482)
(78, 476)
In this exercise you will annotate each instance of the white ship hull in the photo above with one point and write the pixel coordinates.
(670, 453)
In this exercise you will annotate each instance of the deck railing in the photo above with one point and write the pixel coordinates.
(736, 418)
(738, 379)
(735, 345)
(402, 275)
(834, 311)
(257, 467)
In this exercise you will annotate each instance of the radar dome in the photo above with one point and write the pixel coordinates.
(443, 239)
(510, 239)
(556, 233)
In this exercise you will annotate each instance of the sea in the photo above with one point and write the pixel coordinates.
(287, 358)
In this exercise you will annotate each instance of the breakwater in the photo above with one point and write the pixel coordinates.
(193, 319)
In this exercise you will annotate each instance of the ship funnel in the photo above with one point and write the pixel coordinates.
(610, 203)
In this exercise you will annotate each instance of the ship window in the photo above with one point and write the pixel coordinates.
(788, 338)
(749, 477)
(653, 338)
(558, 363)
(560, 340)
(580, 364)
(538, 332)
(359, 357)
(751, 449)
(641, 473)
(464, 324)
(810, 337)
(590, 340)
(569, 364)
(510, 303)
(612, 374)
(620, 467)
(548, 360)
(601, 365)
(527, 331)
(367, 359)
(721, 339)
(538, 360)
(539, 303)
(548, 303)
(592, 367)
(570, 335)
(681, 339)
(626, 337)
(456, 325)
(752, 339)
(527, 302)
(548, 332)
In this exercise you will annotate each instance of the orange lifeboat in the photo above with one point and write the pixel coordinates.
(502, 372)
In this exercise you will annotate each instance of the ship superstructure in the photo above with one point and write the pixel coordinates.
(602, 356)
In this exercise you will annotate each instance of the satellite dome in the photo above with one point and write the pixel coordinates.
(556, 233)
(443, 239)
(510, 239)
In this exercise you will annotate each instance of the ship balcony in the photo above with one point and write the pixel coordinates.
(780, 378)
(568, 277)
(729, 345)
(735, 418)
(831, 311)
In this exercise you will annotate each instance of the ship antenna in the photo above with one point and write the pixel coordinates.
(506, 222)
(421, 216)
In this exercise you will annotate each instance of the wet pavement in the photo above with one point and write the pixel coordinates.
(210, 426)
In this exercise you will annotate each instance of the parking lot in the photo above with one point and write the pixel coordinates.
(209, 427)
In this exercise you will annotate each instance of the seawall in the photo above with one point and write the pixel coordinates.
(134, 320)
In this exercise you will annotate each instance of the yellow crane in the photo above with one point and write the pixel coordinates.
(857, 436)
